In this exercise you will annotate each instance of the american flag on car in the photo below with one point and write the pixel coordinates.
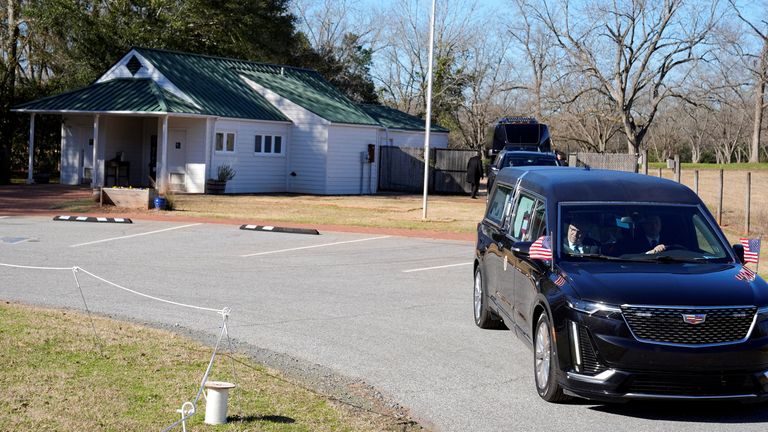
(751, 249)
(541, 249)
(745, 274)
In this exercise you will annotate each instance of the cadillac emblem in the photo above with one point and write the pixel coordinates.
(694, 319)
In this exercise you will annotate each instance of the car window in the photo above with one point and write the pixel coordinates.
(538, 223)
(531, 161)
(498, 204)
(522, 218)
(705, 238)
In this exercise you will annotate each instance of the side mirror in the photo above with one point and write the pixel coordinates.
(738, 249)
(521, 248)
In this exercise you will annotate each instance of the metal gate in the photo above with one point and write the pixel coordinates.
(401, 169)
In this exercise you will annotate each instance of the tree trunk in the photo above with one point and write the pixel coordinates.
(762, 75)
(8, 92)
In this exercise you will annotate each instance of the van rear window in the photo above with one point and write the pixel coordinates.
(522, 133)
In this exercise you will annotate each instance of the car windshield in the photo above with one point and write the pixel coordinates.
(638, 232)
(529, 161)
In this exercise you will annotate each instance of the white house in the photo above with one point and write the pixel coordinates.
(176, 117)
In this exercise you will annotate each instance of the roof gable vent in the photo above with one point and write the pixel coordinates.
(133, 65)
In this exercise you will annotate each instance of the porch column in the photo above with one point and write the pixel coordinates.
(97, 176)
(162, 177)
(208, 146)
(30, 178)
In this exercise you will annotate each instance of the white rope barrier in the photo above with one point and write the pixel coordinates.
(35, 268)
(188, 409)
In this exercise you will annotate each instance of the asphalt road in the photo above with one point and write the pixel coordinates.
(395, 312)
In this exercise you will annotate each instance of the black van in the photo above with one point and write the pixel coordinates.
(518, 133)
(622, 285)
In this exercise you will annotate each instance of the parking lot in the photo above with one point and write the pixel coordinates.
(392, 311)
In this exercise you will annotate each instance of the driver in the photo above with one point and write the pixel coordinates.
(651, 240)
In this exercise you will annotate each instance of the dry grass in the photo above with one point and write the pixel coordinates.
(445, 213)
(734, 196)
(55, 378)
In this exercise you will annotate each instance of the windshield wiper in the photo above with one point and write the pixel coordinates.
(670, 259)
(603, 257)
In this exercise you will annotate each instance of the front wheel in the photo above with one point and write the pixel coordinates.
(545, 362)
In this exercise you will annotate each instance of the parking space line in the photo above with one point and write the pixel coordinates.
(313, 246)
(435, 268)
(134, 235)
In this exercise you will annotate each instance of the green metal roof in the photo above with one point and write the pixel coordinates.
(309, 90)
(217, 86)
(124, 94)
(213, 83)
(395, 119)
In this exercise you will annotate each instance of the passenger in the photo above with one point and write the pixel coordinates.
(577, 242)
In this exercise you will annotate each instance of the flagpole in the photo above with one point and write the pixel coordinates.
(429, 112)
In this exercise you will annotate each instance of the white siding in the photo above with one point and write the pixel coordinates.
(347, 173)
(403, 138)
(194, 169)
(308, 144)
(256, 172)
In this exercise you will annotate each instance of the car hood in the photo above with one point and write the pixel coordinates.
(664, 284)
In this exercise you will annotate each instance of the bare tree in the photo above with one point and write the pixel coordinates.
(637, 51)
(488, 94)
(758, 66)
(401, 67)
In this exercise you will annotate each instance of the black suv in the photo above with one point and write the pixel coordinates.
(623, 285)
(511, 158)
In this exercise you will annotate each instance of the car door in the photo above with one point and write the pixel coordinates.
(528, 271)
(493, 225)
(517, 228)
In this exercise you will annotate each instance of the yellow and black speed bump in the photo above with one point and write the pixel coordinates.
(280, 229)
(92, 219)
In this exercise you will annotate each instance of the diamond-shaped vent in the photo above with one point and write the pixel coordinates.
(133, 65)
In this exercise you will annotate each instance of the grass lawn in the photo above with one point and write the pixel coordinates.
(456, 214)
(55, 378)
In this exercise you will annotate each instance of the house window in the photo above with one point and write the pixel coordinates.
(268, 144)
(225, 141)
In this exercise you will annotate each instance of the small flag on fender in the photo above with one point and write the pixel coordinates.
(541, 249)
(746, 274)
(751, 249)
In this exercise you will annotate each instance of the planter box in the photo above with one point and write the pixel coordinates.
(129, 198)
(215, 187)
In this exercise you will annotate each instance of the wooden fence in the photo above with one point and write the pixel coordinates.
(401, 169)
(611, 161)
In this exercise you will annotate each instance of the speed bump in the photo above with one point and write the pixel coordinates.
(92, 219)
(280, 229)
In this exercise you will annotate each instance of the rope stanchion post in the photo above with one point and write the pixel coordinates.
(188, 409)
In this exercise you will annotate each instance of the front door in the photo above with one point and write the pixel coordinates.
(153, 157)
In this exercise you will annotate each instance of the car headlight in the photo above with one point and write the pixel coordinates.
(762, 313)
(595, 308)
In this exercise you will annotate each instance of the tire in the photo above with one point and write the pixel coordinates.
(484, 316)
(545, 362)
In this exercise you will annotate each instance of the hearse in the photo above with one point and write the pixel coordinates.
(623, 286)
